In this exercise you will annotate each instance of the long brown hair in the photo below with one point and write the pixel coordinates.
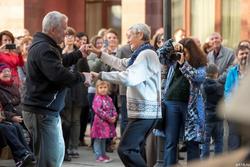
(197, 57)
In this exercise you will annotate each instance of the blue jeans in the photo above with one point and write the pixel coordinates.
(48, 140)
(216, 131)
(131, 149)
(124, 114)
(99, 147)
(175, 119)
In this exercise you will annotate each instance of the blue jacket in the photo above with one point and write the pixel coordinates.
(195, 118)
(232, 81)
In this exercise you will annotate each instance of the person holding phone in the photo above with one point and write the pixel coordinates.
(9, 54)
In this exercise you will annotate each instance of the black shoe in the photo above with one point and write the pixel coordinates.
(67, 157)
(26, 160)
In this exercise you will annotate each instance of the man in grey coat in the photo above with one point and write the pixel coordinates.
(221, 56)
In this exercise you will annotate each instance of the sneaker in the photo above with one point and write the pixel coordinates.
(100, 159)
(67, 158)
(27, 159)
(107, 159)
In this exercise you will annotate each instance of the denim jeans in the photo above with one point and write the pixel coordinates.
(124, 114)
(216, 131)
(48, 140)
(175, 119)
(131, 149)
(99, 147)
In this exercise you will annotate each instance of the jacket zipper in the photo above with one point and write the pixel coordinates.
(54, 98)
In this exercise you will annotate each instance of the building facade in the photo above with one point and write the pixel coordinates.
(198, 17)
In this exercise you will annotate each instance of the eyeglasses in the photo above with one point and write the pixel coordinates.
(69, 36)
(6, 70)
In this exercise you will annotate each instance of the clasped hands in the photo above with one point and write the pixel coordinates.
(92, 76)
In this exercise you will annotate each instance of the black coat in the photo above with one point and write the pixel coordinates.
(214, 92)
(47, 75)
(77, 94)
(10, 100)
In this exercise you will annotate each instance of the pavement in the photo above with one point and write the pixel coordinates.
(86, 159)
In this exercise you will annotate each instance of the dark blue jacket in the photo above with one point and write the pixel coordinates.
(214, 91)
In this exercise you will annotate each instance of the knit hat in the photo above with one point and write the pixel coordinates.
(3, 66)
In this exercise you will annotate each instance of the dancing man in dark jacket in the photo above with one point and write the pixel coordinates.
(46, 81)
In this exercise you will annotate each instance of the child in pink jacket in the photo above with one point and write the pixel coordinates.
(105, 116)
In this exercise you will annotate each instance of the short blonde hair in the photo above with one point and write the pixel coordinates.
(101, 82)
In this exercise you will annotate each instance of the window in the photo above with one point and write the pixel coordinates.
(231, 22)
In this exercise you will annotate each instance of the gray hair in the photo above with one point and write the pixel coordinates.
(144, 28)
(52, 20)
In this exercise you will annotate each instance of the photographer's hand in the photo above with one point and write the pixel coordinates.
(182, 59)
(178, 47)
(84, 50)
(93, 49)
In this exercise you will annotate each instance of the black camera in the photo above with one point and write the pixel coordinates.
(167, 53)
(10, 46)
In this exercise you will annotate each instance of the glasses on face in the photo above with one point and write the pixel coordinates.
(6, 70)
(69, 36)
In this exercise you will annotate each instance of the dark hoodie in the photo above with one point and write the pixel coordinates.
(213, 93)
(47, 76)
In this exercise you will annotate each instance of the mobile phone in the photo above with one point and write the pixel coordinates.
(105, 43)
(10, 46)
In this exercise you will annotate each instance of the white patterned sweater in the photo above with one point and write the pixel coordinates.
(143, 81)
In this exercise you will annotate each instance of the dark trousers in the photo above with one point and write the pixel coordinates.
(84, 122)
(15, 139)
(216, 131)
(91, 97)
(66, 132)
(131, 148)
(124, 114)
(234, 138)
(3, 141)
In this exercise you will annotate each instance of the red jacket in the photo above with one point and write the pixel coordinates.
(13, 60)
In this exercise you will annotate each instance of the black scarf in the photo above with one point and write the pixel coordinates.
(138, 51)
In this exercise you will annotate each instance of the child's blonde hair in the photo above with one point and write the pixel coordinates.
(101, 82)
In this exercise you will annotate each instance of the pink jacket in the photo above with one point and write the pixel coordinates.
(102, 126)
